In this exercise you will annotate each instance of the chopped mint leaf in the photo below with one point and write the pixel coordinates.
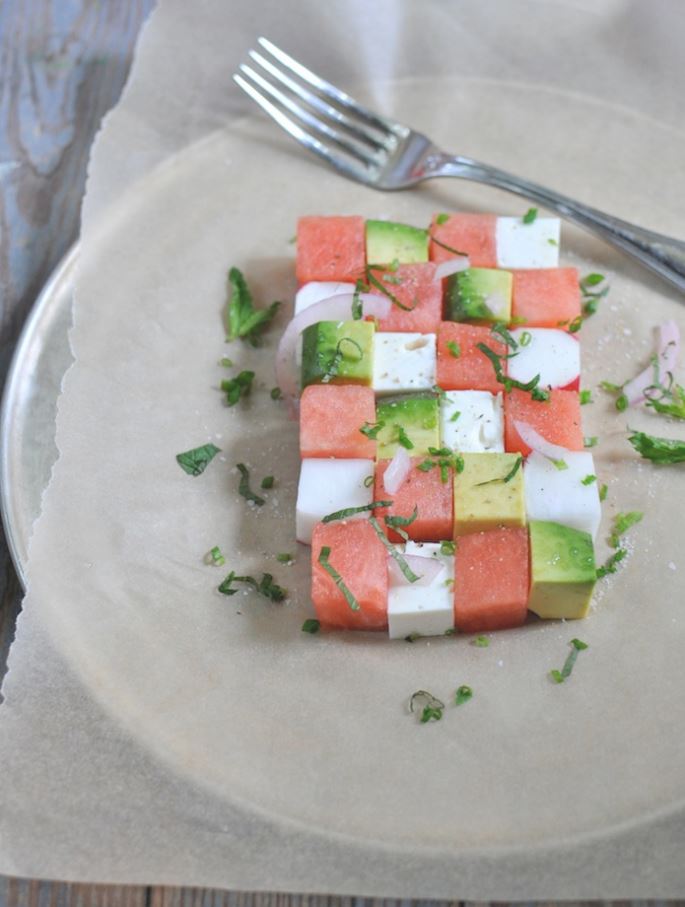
(395, 521)
(508, 383)
(426, 465)
(350, 511)
(244, 486)
(442, 394)
(357, 308)
(338, 355)
(512, 472)
(659, 450)
(576, 647)
(268, 482)
(371, 429)
(526, 338)
(481, 642)
(530, 216)
(412, 637)
(455, 416)
(244, 321)
(285, 558)
(610, 564)
(431, 707)
(368, 482)
(560, 464)
(265, 586)
(603, 491)
(500, 331)
(589, 479)
(552, 242)
(622, 523)
(237, 387)
(576, 324)
(324, 554)
(591, 280)
(447, 548)
(443, 245)
(610, 387)
(226, 362)
(676, 408)
(215, 557)
(276, 393)
(454, 349)
(373, 281)
(311, 625)
(442, 219)
(403, 438)
(393, 552)
(463, 694)
(458, 463)
(591, 441)
(195, 461)
(621, 403)
(440, 451)
(585, 397)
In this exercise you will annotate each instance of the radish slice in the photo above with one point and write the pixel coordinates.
(667, 353)
(335, 308)
(428, 569)
(397, 471)
(535, 441)
(451, 266)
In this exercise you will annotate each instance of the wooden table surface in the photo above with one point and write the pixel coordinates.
(63, 64)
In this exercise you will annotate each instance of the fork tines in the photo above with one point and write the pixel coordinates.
(316, 113)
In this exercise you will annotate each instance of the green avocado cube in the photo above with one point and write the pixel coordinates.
(387, 242)
(482, 497)
(562, 571)
(479, 294)
(337, 352)
(412, 418)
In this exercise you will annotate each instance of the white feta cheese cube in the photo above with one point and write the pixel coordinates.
(551, 354)
(328, 485)
(403, 362)
(317, 290)
(479, 425)
(426, 610)
(534, 245)
(559, 495)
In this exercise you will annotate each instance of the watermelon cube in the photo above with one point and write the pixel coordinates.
(552, 354)
(492, 580)
(426, 610)
(460, 364)
(327, 486)
(331, 416)
(469, 234)
(360, 560)
(330, 248)
(424, 491)
(546, 298)
(557, 419)
(413, 286)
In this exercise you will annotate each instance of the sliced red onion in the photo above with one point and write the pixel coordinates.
(667, 353)
(451, 266)
(397, 471)
(335, 308)
(427, 569)
(535, 441)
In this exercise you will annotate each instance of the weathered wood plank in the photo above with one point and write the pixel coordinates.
(26, 893)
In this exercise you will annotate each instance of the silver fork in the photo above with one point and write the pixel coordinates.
(387, 155)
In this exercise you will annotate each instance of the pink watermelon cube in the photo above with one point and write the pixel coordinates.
(472, 234)
(545, 297)
(330, 248)
(414, 286)
(557, 419)
(461, 365)
(331, 416)
(423, 490)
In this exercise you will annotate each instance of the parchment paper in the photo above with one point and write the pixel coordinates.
(155, 731)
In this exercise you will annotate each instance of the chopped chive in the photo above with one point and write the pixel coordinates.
(454, 348)
(324, 554)
(195, 461)
(371, 429)
(589, 479)
(432, 707)
(311, 625)
(552, 242)
(530, 215)
(463, 694)
(481, 642)
(591, 441)
(576, 647)
(350, 511)
(268, 482)
(393, 552)
(276, 393)
(214, 556)
(585, 397)
(442, 219)
(403, 438)
(447, 548)
(603, 491)
(244, 486)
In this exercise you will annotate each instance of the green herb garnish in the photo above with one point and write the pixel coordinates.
(591, 441)
(622, 523)
(195, 461)
(610, 387)
(481, 642)
(611, 562)
(338, 355)
(442, 219)
(399, 521)
(244, 486)
(432, 707)
(226, 362)
(585, 397)
(393, 552)
(526, 338)
(350, 511)
(621, 403)
(371, 429)
(244, 321)
(412, 637)
(403, 438)
(380, 286)
(576, 647)
(285, 558)
(324, 554)
(560, 464)
(311, 625)
(454, 348)
(276, 393)
(603, 492)
(504, 335)
(443, 245)
(368, 482)
(357, 308)
(576, 324)
(215, 557)
(509, 383)
(455, 416)
(588, 480)
(268, 482)
(237, 387)
(447, 548)
(658, 450)
(463, 695)
(266, 586)
(592, 299)
(591, 280)
(510, 475)
(530, 216)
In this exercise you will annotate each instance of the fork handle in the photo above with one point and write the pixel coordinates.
(662, 254)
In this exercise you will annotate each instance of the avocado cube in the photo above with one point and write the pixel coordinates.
(482, 497)
(479, 294)
(414, 418)
(388, 242)
(337, 352)
(562, 571)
